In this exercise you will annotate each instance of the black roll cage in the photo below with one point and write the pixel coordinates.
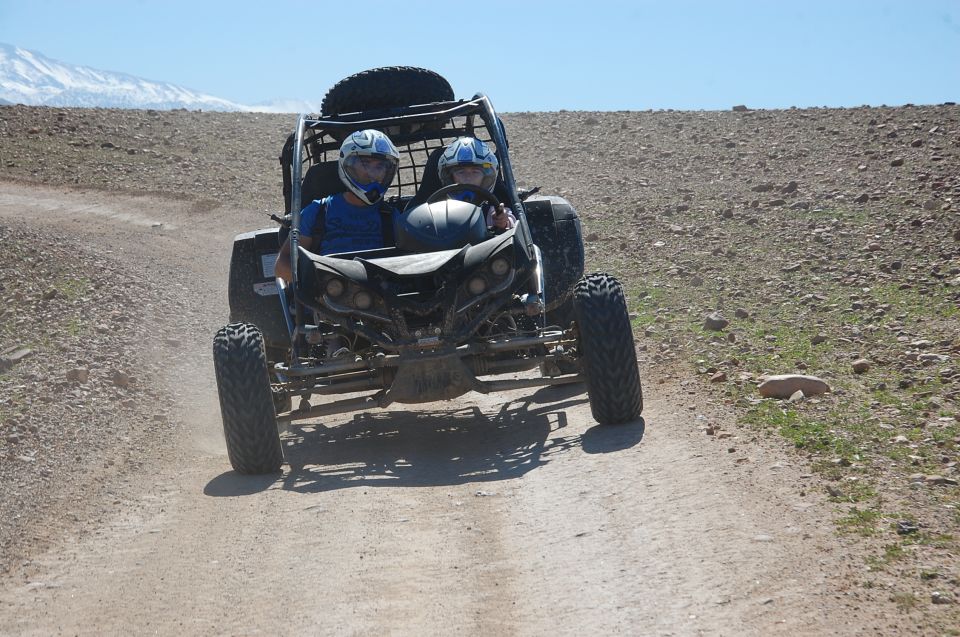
(311, 130)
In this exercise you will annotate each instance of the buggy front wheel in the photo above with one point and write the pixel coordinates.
(246, 400)
(605, 342)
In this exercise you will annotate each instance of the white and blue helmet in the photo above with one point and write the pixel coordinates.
(356, 153)
(468, 151)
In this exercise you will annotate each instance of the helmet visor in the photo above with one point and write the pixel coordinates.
(475, 174)
(371, 170)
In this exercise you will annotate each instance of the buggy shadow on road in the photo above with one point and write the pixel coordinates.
(430, 448)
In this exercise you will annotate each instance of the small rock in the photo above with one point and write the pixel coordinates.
(941, 598)
(741, 313)
(860, 366)
(120, 379)
(13, 356)
(715, 322)
(897, 162)
(906, 527)
(785, 385)
(740, 108)
(819, 338)
(864, 198)
(936, 480)
(78, 375)
(797, 396)
(719, 377)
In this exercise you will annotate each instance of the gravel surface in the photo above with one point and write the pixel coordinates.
(822, 242)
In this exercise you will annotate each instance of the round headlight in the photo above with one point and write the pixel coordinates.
(500, 266)
(477, 285)
(362, 300)
(334, 287)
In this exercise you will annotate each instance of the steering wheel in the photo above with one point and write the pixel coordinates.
(483, 194)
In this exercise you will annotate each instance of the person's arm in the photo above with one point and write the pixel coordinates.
(282, 267)
(309, 217)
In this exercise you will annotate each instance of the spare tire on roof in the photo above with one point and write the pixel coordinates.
(386, 87)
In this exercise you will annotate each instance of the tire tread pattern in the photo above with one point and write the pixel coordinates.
(246, 401)
(386, 87)
(607, 350)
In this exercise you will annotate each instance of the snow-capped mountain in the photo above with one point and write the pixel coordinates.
(29, 77)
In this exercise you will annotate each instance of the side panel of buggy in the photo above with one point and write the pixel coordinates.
(252, 289)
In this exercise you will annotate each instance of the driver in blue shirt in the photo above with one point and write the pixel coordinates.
(356, 219)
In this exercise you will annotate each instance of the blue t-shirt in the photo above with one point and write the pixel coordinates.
(346, 228)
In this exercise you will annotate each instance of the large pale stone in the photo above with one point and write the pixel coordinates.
(784, 386)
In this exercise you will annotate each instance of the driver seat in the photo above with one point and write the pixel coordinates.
(429, 180)
(321, 180)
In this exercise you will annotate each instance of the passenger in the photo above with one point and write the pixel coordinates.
(469, 161)
(356, 219)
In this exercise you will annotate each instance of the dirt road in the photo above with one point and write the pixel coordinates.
(511, 514)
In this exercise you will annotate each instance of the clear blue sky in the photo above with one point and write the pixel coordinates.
(528, 56)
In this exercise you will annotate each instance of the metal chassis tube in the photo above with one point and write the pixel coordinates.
(380, 399)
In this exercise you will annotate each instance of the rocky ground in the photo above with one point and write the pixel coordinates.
(81, 400)
(819, 241)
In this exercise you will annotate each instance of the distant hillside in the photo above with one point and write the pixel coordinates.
(30, 78)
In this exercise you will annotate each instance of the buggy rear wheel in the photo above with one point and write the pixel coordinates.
(246, 400)
(606, 348)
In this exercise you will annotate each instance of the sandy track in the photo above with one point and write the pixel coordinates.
(511, 514)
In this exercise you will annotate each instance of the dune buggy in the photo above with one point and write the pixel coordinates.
(451, 308)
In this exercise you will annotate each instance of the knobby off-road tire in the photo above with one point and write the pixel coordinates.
(246, 401)
(606, 350)
(386, 87)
